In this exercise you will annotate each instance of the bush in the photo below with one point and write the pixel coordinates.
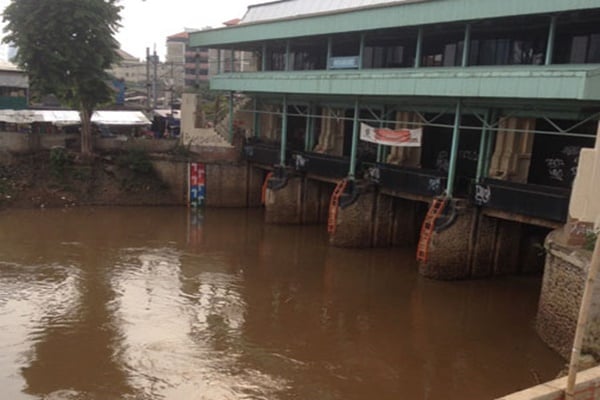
(59, 159)
(136, 160)
(590, 240)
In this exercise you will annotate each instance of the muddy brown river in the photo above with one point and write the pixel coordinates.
(155, 303)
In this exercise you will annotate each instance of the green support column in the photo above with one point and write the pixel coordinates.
(263, 61)
(361, 51)
(355, 130)
(307, 128)
(419, 48)
(454, 151)
(230, 117)
(329, 49)
(489, 148)
(311, 143)
(379, 146)
(482, 147)
(550, 44)
(218, 61)
(283, 132)
(466, 46)
(256, 118)
(287, 55)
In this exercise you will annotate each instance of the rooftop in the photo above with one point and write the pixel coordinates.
(298, 8)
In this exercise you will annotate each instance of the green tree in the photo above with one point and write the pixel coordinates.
(65, 46)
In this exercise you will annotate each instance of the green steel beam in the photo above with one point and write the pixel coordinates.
(287, 56)
(256, 118)
(263, 61)
(307, 132)
(489, 148)
(218, 62)
(466, 46)
(454, 151)
(550, 44)
(361, 51)
(556, 82)
(355, 130)
(380, 148)
(283, 132)
(329, 50)
(481, 162)
(230, 117)
(419, 48)
(394, 15)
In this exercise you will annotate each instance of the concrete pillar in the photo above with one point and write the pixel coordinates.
(449, 250)
(407, 221)
(406, 156)
(474, 246)
(284, 206)
(256, 178)
(355, 223)
(483, 247)
(506, 255)
(311, 202)
(383, 225)
(512, 154)
(226, 185)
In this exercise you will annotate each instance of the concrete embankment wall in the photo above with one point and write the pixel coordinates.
(587, 388)
(562, 289)
(20, 143)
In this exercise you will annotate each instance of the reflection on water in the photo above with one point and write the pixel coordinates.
(151, 303)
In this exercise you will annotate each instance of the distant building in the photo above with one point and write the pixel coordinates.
(14, 87)
(186, 66)
(133, 70)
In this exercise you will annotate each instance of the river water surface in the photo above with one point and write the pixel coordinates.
(155, 303)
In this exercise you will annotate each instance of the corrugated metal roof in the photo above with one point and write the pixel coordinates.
(297, 8)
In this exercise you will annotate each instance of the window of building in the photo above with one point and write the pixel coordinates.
(514, 41)
(443, 46)
(275, 58)
(390, 49)
(577, 38)
(308, 54)
(345, 46)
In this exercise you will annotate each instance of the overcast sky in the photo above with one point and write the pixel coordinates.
(148, 23)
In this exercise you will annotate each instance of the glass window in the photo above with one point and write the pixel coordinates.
(442, 46)
(577, 38)
(514, 41)
(390, 49)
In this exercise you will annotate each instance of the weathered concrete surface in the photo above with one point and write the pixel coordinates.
(355, 222)
(383, 223)
(587, 388)
(508, 240)
(407, 221)
(311, 202)
(449, 249)
(562, 288)
(484, 241)
(174, 175)
(256, 178)
(226, 185)
(284, 206)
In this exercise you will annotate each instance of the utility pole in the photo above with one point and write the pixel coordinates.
(155, 72)
(148, 84)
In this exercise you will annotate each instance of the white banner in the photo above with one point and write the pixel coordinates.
(391, 137)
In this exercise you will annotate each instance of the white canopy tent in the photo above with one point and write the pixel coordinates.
(70, 117)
